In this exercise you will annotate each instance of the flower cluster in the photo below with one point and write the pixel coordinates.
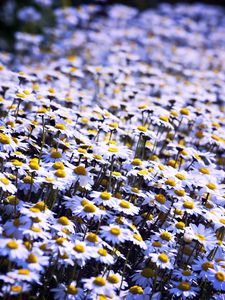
(112, 156)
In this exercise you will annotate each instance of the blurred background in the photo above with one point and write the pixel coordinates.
(33, 15)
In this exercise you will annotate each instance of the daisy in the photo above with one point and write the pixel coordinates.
(15, 228)
(98, 285)
(64, 223)
(138, 240)
(70, 292)
(203, 266)
(204, 236)
(104, 198)
(162, 260)
(35, 233)
(53, 155)
(103, 256)
(16, 288)
(189, 206)
(183, 289)
(6, 185)
(82, 175)
(145, 277)
(126, 207)
(24, 275)
(217, 278)
(136, 292)
(115, 280)
(89, 211)
(114, 234)
(35, 261)
(81, 252)
(7, 143)
(13, 249)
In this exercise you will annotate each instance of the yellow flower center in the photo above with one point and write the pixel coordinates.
(12, 245)
(92, 237)
(142, 128)
(143, 172)
(23, 272)
(105, 195)
(97, 156)
(220, 276)
(135, 190)
(161, 167)
(166, 236)
(12, 200)
(84, 202)
(102, 252)
(51, 90)
(164, 118)
(80, 170)
(90, 208)
(32, 259)
(114, 279)
(99, 281)
(79, 248)
(16, 288)
(42, 110)
(156, 244)
(55, 154)
(71, 289)
(204, 171)
(136, 289)
(184, 286)
(186, 273)
(5, 181)
(60, 240)
(117, 174)
(82, 151)
(34, 209)
(4, 139)
(34, 165)
(215, 137)
(41, 206)
(16, 163)
(170, 182)
(60, 173)
(36, 229)
(200, 237)
(160, 198)
(60, 126)
(28, 179)
(63, 221)
(114, 125)
(189, 205)
(179, 193)
(137, 237)
(185, 111)
(163, 258)
(199, 134)
(148, 273)
(115, 231)
(180, 176)
(211, 186)
(58, 165)
(124, 204)
(180, 225)
(49, 179)
(113, 149)
(136, 162)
